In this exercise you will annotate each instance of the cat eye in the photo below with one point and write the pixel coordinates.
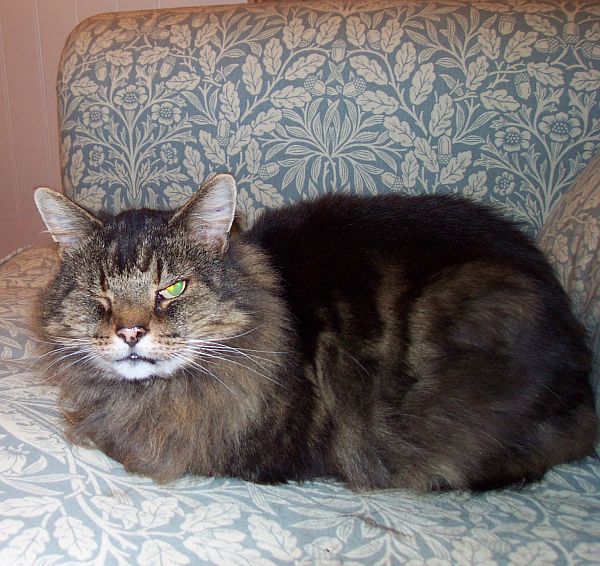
(173, 291)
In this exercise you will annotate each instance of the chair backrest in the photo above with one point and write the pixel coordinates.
(494, 100)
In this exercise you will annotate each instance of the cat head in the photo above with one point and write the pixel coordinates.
(145, 293)
(208, 215)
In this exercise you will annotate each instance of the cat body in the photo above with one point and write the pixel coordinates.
(389, 341)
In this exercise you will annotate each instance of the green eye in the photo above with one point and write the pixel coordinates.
(173, 291)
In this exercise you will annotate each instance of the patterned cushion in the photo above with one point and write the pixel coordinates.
(495, 100)
(16, 336)
(60, 504)
(571, 239)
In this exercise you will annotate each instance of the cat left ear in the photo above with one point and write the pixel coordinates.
(209, 213)
(67, 222)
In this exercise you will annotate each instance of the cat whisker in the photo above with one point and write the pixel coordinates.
(63, 341)
(229, 350)
(62, 347)
(357, 363)
(36, 364)
(47, 379)
(86, 358)
(190, 362)
(222, 348)
(236, 335)
(48, 354)
(214, 341)
(281, 352)
(247, 352)
(61, 358)
(57, 350)
(40, 341)
(204, 353)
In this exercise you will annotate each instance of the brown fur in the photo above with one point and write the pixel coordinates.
(388, 342)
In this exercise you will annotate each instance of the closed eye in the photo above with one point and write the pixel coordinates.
(103, 305)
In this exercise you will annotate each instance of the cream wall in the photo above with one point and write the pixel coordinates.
(32, 34)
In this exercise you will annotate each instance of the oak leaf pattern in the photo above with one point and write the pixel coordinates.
(497, 101)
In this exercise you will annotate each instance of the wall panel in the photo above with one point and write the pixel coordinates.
(55, 20)
(86, 8)
(32, 34)
(9, 211)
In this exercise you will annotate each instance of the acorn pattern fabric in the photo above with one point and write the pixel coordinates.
(494, 100)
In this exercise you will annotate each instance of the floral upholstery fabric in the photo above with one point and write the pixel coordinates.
(571, 240)
(60, 504)
(495, 100)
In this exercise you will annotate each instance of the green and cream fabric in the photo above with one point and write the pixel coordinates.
(571, 239)
(497, 101)
(61, 504)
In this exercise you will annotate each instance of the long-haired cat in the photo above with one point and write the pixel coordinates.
(388, 341)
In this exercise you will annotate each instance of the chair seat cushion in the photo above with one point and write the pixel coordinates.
(75, 504)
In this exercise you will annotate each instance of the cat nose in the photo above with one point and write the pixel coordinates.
(131, 335)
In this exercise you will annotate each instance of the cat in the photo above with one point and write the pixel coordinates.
(387, 341)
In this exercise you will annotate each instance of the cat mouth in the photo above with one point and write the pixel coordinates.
(136, 358)
(135, 367)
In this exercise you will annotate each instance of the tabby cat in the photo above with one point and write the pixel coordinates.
(388, 341)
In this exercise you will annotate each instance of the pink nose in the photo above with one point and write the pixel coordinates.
(131, 335)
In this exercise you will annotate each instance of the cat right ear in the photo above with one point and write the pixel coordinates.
(66, 222)
(209, 214)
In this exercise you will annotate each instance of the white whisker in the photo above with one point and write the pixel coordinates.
(61, 359)
(217, 347)
(182, 357)
(249, 353)
(215, 341)
(204, 353)
(55, 351)
(253, 359)
(86, 358)
(235, 335)
(59, 339)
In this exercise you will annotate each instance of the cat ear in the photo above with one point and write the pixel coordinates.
(66, 222)
(209, 213)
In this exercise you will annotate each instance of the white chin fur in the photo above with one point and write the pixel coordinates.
(133, 370)
(143, 370)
